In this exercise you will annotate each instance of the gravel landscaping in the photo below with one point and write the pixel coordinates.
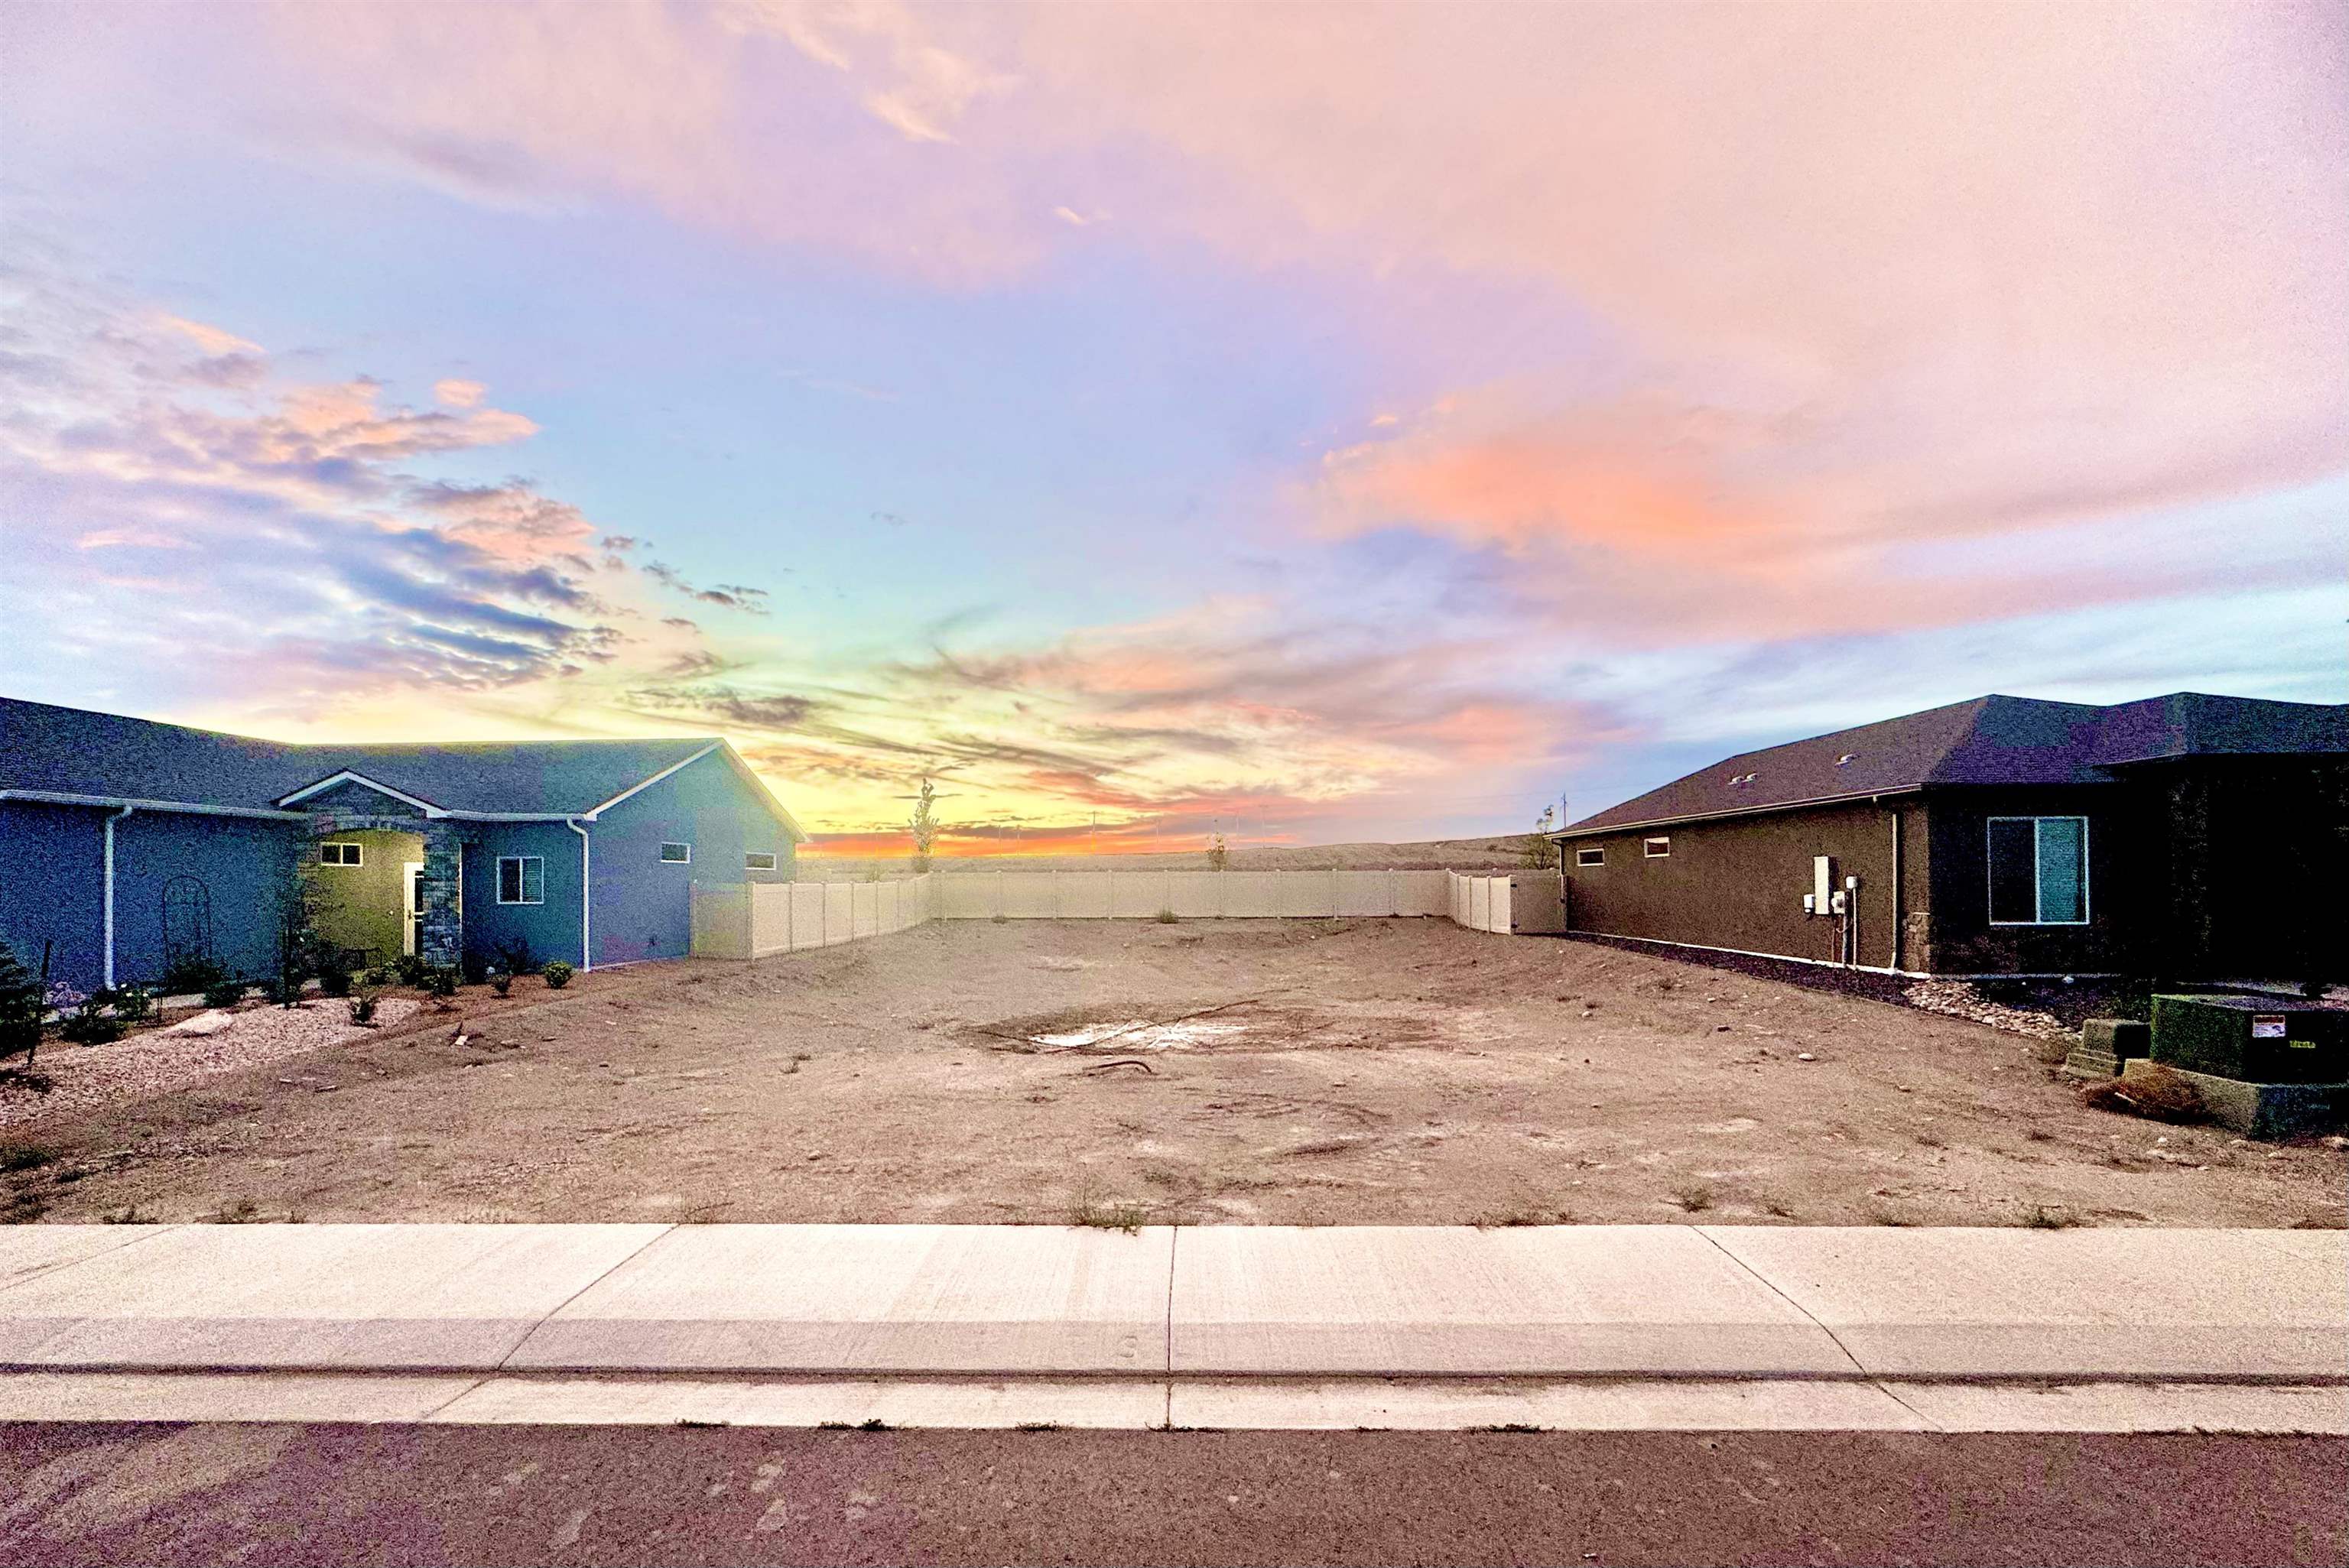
(156, 1061)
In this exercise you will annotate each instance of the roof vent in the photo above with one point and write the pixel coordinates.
(1846, 757)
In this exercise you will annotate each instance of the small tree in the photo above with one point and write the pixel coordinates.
(925, 823)
(22, 1003)
(1218, 857)
(301, 950)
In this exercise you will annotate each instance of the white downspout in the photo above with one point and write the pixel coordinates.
(586, 898)
(109, 967)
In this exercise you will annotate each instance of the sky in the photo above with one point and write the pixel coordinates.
(1307, 424)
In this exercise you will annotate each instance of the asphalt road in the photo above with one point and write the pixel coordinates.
(347, 1494)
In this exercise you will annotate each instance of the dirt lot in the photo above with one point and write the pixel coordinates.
(1307, 1072)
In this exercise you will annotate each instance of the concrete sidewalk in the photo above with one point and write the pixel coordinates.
(1236, 1324)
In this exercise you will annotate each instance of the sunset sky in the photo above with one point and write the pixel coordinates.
(1322, 423)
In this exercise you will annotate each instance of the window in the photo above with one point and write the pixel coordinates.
(341, 855)
(2039, 871)
(677, 854)
(1655, 849)
(758, 860)
(521, 879)
(1591, 857)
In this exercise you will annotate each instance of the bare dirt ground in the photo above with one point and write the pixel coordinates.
(1372, 1071)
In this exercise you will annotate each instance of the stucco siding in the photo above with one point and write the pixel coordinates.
(1962, 940)
(550, 927)
(51, 891)
(361, 907)
(243, 865)
(644, 905)
(1738, 883)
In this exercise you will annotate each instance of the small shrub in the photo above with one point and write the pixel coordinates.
(334, 980)
(440, 984)
(1693, 1197)
(15, 1156)
(362, 1004)
(409, 967)
(558, 975)
(132, 1215)
(1090, 1215)
(134, 1003)
(501, 982)
(2158, 1093)
(224, 993)
(2042, 1218)
(516, 958)
(474, 967)
(87, 1025)
(20, 1008)
(274, 992)
(190, 975)
(1168, 917)
(244, 1211)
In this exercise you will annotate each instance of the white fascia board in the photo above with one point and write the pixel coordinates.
(118, 802)
(347, 777)
(1583, 832)
(720, 748)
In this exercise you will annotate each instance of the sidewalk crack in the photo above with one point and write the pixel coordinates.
(1173, 1239)
(1772, 1286)
(549, 1315)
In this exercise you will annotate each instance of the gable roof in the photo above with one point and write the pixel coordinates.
(102, 756)
(1986, 740)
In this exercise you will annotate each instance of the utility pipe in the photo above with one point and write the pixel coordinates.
(108, 968)
(1894, 962)
(586, 898)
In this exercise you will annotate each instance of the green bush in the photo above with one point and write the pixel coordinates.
(409, 967)
(516, 958)
(362, 1004)
(89, 1026)
(21, 1006)
(474, 967)
(335, 981)
(501, 982)
(558, 975)
(189, 974)
(440, 981)
(133, 1004)
(224, 993)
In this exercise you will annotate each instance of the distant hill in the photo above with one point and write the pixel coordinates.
(1503, 850)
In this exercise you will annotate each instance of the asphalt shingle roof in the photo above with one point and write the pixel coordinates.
(1987, 740)
(70, 751)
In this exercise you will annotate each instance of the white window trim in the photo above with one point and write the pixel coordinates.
(766, 855)
(1599, 857)
(668, 844)
(1990, 890)
(1648, 851)
(521, 879)
(358, 852)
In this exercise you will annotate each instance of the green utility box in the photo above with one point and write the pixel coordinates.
(2257, 1039)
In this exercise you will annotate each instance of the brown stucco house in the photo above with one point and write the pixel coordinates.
(2181, 837)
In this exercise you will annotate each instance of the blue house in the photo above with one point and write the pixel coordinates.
(126, 845)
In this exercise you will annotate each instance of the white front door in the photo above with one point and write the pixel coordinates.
(412, 903)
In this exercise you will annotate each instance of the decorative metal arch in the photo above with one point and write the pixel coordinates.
(187, 920)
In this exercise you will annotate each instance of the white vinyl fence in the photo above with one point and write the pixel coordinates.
(739, 920)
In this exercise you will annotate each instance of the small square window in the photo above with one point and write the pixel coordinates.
(758, 860)
(2038, 870)
(1591, 857)
(340, 854)
(521, 879)
(1655, 849)
(677, 854)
